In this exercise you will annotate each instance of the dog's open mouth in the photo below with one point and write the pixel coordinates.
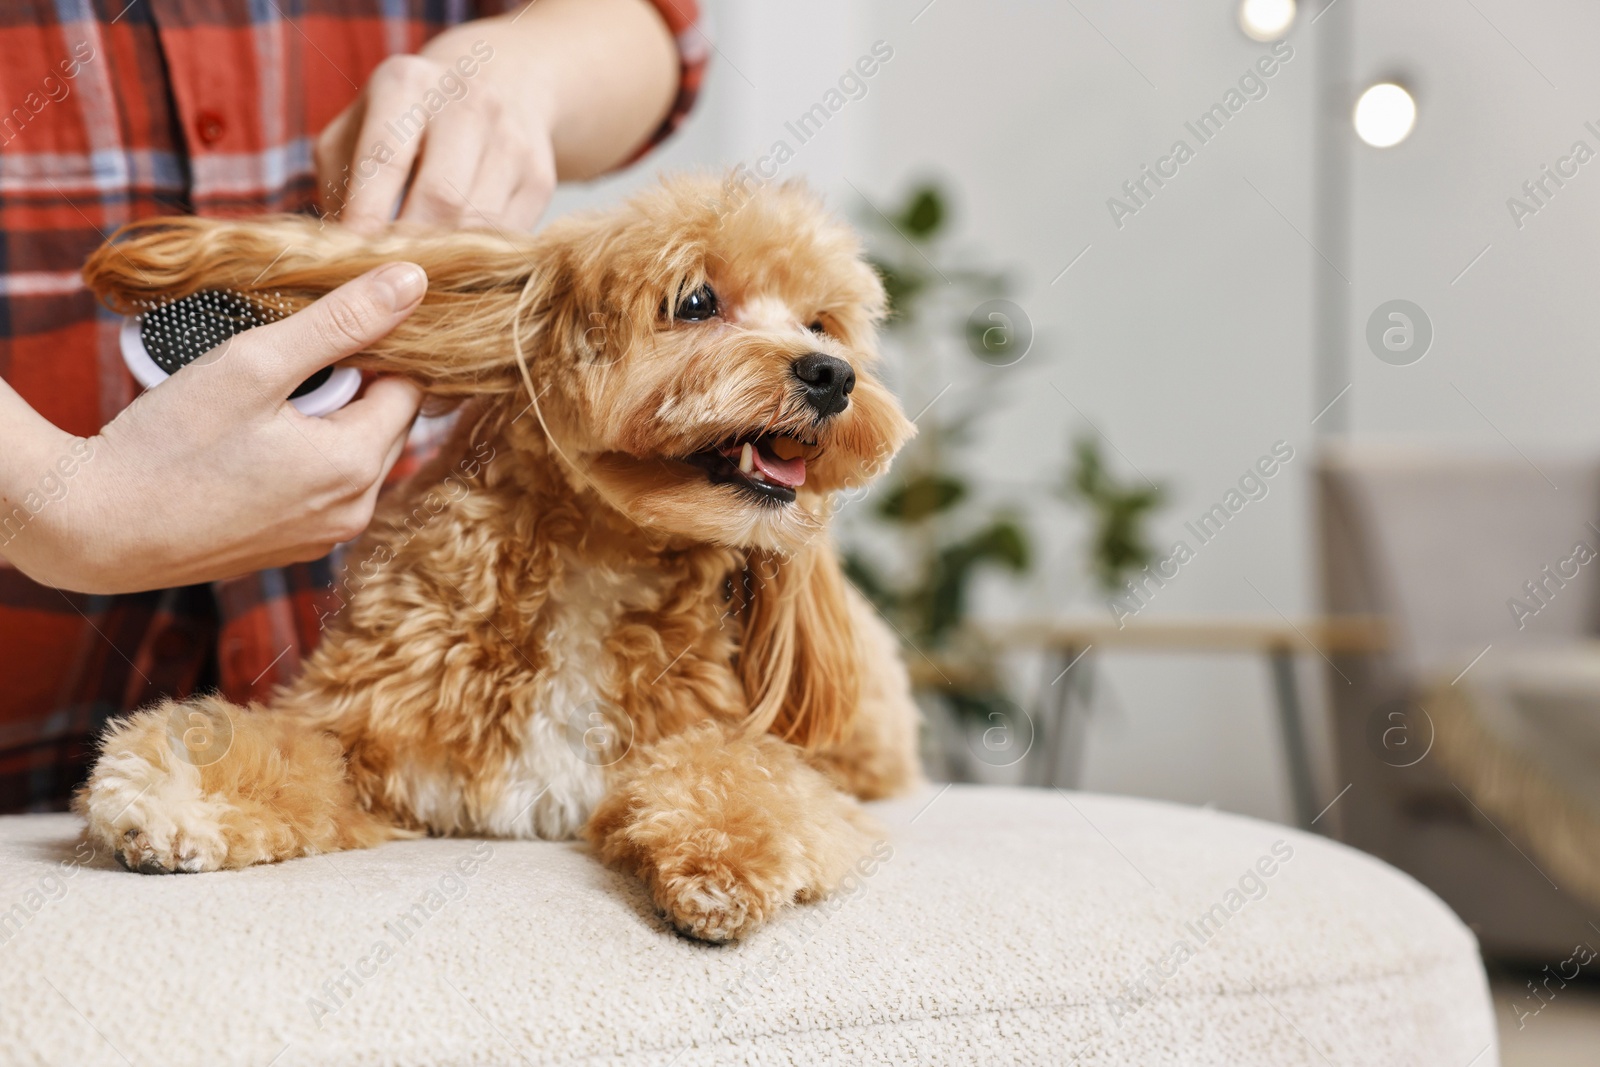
(769, 466)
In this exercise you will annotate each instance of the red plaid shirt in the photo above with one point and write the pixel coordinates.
(119, 110)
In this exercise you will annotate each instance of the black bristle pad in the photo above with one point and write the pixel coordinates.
(176, 334)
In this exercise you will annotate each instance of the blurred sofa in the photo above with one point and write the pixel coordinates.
(1474, 560)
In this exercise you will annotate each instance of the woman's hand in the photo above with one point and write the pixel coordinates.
(482, 121)
(481, 160)
(213, 473)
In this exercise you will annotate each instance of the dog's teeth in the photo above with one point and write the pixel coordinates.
(747, 458)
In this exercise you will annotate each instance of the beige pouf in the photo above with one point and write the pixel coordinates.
(992, 926)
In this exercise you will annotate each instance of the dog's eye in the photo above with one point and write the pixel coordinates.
(697, 306)
(817, 327)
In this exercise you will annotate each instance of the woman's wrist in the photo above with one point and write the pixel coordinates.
(47, 524)
(598, 76)
(478, 51)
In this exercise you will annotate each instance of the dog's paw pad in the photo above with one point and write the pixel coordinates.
(714, 909)
(147, 853)
(138, 853)
(152, 824)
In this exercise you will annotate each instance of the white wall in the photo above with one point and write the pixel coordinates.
(1186, 335)
(1183, 336)
(1515, 335)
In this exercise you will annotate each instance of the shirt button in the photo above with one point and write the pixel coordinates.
(209, 127)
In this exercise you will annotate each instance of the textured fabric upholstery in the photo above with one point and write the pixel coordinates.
(993, 925)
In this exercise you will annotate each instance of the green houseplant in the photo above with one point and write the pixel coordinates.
(917, 545)
(1120, 547)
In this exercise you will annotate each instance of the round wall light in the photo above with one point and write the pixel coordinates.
(1385, 115)
(1265, 20)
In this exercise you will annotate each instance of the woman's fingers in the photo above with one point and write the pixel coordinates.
(360, 312)
(375, 426)
(331, 155)
(489, 199)
(369, 499)
(363, 441)
(459, 154)
(393, 126)
(452, 153)
(408, 408)
(535, 185)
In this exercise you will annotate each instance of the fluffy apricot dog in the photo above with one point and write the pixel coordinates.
(610, 607)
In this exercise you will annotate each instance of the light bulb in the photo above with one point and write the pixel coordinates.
(1265, 20)
(1385, 115)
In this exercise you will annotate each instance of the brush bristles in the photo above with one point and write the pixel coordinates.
(175, 333)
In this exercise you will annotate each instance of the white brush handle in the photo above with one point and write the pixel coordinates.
(325, 399)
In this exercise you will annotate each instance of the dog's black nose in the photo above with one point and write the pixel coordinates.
(828, 382)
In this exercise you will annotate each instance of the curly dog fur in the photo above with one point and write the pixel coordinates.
(607, 608)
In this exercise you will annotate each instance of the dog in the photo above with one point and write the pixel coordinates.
(610, 608)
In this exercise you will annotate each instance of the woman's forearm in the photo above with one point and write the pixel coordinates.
(602, 73)
(31, 449)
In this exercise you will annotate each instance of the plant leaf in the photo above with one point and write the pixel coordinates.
(1120, 546)
(1004, 543)
(921, 496)
(924, 215)
(945, 593)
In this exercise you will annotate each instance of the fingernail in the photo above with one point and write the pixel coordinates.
(404, 282)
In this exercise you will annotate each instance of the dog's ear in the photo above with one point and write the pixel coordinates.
(799, 658)
(484, 290)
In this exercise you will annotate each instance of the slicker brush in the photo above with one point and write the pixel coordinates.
(166, 337)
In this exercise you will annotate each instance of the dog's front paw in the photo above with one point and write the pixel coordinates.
(715, 904)
(177, 853)
(152, 817)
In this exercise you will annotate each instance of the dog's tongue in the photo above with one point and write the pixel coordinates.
(785, 472)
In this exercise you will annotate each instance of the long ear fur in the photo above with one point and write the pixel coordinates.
(799, 659)
(483, 289)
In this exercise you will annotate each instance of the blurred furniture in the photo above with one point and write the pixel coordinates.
(1067, 642)
(1440, 544)
(1015, 926)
